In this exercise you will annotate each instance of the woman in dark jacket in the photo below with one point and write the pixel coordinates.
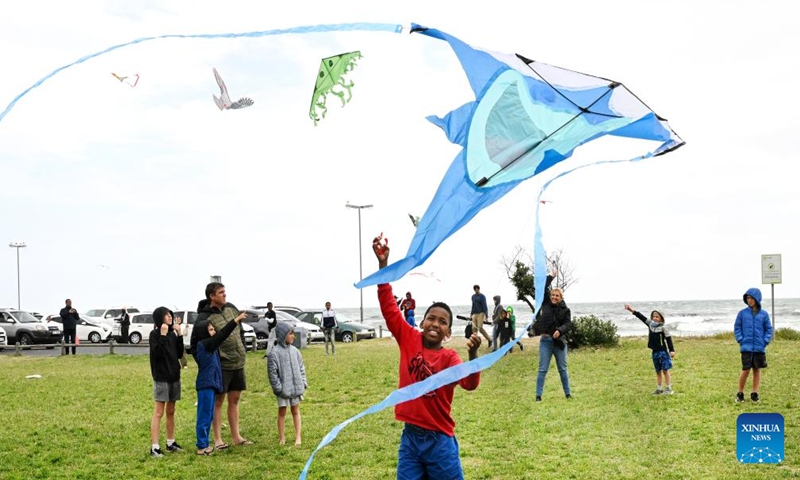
(552, 323)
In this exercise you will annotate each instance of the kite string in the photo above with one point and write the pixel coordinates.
(374, 27)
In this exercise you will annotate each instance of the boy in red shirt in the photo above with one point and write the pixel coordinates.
(428, 446)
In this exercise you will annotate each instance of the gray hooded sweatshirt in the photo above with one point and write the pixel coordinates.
(287, 374)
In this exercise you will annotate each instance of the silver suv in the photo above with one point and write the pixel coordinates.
(25, 329)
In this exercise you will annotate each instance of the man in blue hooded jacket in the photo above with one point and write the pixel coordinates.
(753, 332)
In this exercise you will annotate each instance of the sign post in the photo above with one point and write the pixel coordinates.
(771, 274)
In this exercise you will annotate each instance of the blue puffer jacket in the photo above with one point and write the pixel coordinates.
(753, 331)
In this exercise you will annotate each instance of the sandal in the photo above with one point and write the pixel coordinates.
(221, 446)
(244, 442)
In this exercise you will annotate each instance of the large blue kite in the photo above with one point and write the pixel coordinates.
(527, 117)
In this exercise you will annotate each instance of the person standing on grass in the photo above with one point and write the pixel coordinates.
(287, 377)
(660, 342)
(69, 322)
(166, 348)
(428, 446)
(232, 354)
(479, 313)
(329, 325)
(553, 320)
(209, 376)
(753, 332)
(496, 327)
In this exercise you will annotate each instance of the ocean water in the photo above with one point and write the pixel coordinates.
(685, 318)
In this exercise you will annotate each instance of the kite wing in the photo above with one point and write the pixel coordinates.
(330, 79)
(224, 100)
(527, 117)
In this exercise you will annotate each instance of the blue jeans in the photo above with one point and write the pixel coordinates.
(546, 350)
(426, 454)
(205, 414)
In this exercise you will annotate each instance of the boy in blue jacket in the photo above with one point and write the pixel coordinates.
(209, 376)
(753, 332)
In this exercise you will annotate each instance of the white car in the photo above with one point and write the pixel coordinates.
(109, 316)
(86, 328)
(189, 317)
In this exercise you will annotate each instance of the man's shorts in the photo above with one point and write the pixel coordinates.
(661, 361)
(755, 360)
(167, 391)
(233, 381)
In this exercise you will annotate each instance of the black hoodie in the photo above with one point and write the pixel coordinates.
(165, 350)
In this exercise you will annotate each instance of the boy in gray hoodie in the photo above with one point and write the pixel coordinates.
(287, 377)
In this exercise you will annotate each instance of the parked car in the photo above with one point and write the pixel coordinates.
(86, 328)
(348, 330)
(3, 338)
(109, 316)
(189, 317)
(26, 329)
(256, 319)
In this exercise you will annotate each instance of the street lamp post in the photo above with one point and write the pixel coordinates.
(18, 245)
(360, 273)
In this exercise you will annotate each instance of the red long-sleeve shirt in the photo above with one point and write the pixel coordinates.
(432, 410)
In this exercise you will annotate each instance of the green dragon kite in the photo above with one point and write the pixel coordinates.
(331, 74)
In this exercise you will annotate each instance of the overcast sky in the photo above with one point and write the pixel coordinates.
(137, 195)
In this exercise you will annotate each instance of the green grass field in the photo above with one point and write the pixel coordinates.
(88, 417)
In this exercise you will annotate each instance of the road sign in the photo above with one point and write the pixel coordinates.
(771, 268)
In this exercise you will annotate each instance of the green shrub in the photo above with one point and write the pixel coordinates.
(786, 333)
(590, 331)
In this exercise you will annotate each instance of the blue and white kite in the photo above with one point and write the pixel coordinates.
(527, 117)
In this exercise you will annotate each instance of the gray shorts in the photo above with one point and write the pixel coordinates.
(289, 402)
(167, 391)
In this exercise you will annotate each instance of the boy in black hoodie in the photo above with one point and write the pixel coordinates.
(166, 348)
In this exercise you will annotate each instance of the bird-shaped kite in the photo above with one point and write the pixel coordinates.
(124, 79)
(224, 100)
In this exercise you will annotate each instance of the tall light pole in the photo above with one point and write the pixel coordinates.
(360, 273)
(18, 245)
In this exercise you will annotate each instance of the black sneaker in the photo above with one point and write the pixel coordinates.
(156, 453)
(174, 448)
(538, 398)
(754, 397)
(740, 397)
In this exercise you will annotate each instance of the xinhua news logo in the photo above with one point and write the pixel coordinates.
(759, 438)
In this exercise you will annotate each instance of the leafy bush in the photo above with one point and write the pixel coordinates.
(590, 331)
(787, 334)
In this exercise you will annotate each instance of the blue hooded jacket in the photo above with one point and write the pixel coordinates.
(753, 331)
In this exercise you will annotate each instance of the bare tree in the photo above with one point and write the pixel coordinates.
(519, 269)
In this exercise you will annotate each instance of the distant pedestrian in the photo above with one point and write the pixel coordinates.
(408, 304)
(209, 376)
(69, 322)
(166, 348)
(498, 309)
(124, 326)
(660, 342)
(329, 325)
(287, 377)
(479, 314)
(753, 332)
(512, 319)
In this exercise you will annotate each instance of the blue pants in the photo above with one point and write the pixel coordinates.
(426, 454)
(547, 350)
(205, 415)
